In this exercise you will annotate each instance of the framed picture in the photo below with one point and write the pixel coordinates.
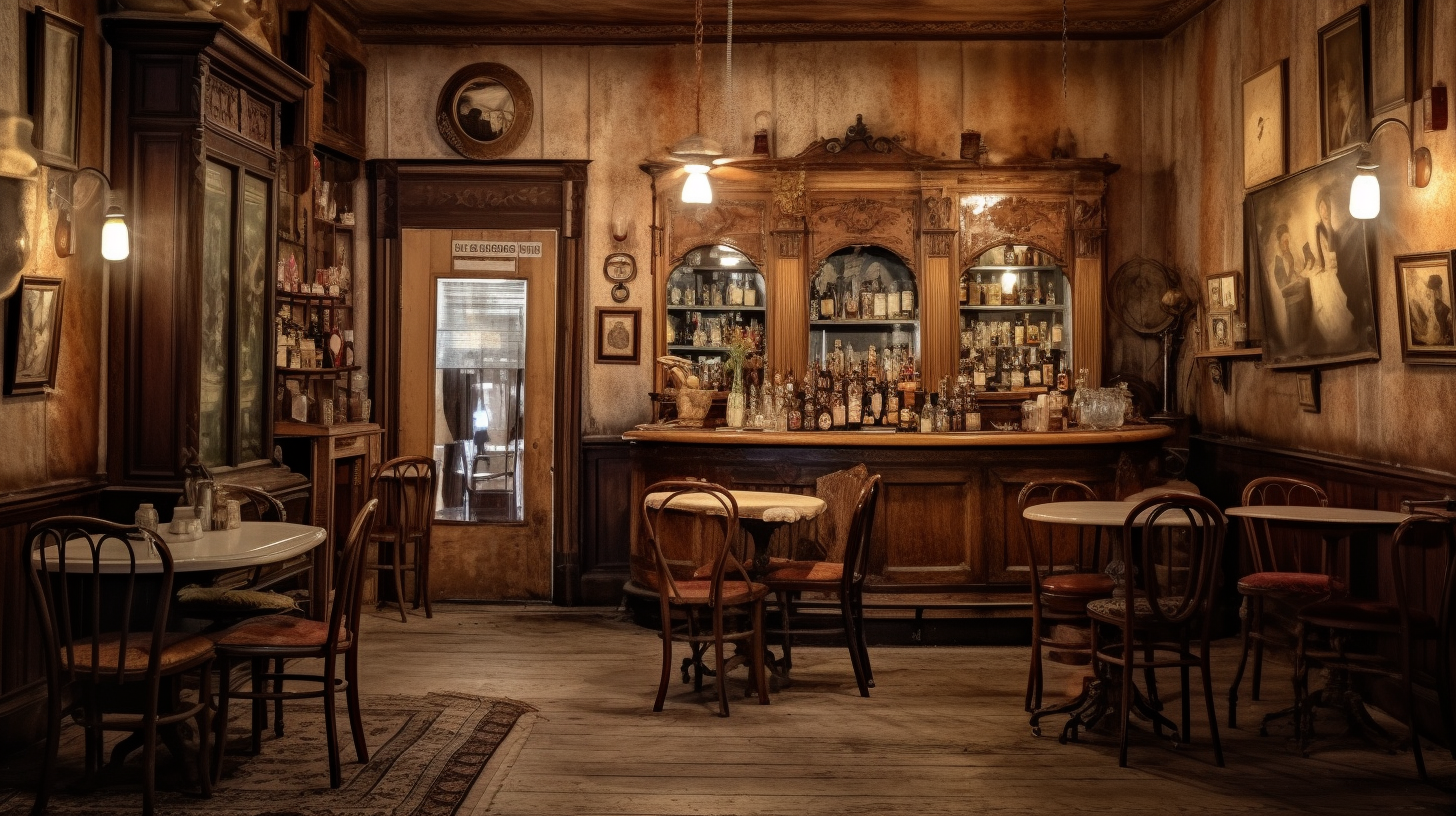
(1220, 331)
(619, 333)
(1423, 294)
(1223, 292)
(1309, 268)
(1308, 383)
(484, 110)
(33, 335)
(55, 92)
(1344, 82)
(1266, 137)
(1392, 54)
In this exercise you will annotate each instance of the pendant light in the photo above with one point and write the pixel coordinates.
(697, 151)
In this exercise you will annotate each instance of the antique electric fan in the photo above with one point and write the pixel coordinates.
(1146, 297)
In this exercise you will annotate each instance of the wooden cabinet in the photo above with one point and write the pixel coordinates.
(196, 123)
(332, 114)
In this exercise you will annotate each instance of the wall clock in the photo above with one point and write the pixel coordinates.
(620, 268)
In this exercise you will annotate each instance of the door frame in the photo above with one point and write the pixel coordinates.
(489, 195)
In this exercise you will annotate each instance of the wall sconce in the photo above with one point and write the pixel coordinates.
(115, 238)
(1365, 189)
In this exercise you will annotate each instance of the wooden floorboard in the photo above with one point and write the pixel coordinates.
(943, 733)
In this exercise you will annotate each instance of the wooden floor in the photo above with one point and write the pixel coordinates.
(943, 733)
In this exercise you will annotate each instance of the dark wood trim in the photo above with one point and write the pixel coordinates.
(32, 503)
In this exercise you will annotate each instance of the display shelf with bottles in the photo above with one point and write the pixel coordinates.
(714, 295)
(1015, 321)
(864, 298)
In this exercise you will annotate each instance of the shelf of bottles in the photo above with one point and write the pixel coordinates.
(863, 302)
(714, 296)
(1015, 325)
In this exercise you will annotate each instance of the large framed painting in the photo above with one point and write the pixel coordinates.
(1344, 82)
(1392, 54)
(33, 336)
(1423, 293)
(1309, 268)
(55, 89)
(484, 110)
(1266, 137)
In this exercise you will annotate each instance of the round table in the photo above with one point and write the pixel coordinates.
(1098, 514)
(254, 544)
(760, 512)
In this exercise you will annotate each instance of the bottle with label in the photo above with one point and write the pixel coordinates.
(795, 421)
(993, 292)
(1018, 374)
(973, 414)
(837, 412)
(1023, 290)
(1056, 331)
(965, 289)
(874, 403)
(909, 417)
(1032, 338)
(1033, 370)
(1051, 290)
(1038, 295)
(866, 301)
(891, 397)
(907, 302)
(1019, 333)
(978, 376)
(927, 415)
(851, 303)
(854, 403)
(978, 292)
(825, 420)
(882, 304)
(826, 302)
(814, 301)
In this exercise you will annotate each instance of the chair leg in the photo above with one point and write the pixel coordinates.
(1187, 702)
(1150, 679)
(1204, 668)
(1033, 673)
(351, 697)
(1410, 708)
(1301, 687)
(397, 557)
(852, 639)
(260, 706)
(760, 647)
(414, 568)
(1258, 648)
(721, 673)
(149, 755)
(786, 612)
(666, 657)
(220, 719)
(52, 751)
(1124, 706)
(278, 666)
(864, 651)
(422, 572)
(331, 726)
(204, 729)
(1233, 695)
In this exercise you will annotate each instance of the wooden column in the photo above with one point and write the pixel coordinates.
(939, 296)
(1088, 232)
(788, 303)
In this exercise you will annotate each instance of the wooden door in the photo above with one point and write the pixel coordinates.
(478, 554)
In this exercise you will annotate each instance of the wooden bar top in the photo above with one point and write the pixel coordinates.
(879, 439)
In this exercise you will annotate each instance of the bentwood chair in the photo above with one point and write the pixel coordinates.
(1063, 581)
(1423, 566)
(405, 488)
(275, 637)
(94, 656)
(844, 578)
(697, 610)
(1178, 568)
(1279, 575)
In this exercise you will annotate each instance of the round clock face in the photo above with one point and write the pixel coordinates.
(620, 267)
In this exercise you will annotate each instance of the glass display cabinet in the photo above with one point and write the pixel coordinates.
(1015, 320)
(863, 298)
(714, 295)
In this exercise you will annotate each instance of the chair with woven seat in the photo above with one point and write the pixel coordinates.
(1060, 592)
(685, 599)
(1414, 540)
(843, 578)
(88, 664)
(1172, 544)
(405, 488)
(275, 637)
(1279, 574)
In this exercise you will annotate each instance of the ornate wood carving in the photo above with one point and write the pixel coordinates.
(989, 220)
(475, 196)
(835, 223)
(1089, 226)
(739, 224)
(258, 121)
(938, 244)
(859, 147)
(790, 204)
(222, 104)
(789, 243)
(939, 214)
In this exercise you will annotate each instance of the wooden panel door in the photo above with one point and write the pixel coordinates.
(492, 559)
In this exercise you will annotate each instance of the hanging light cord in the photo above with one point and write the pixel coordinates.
(1064, 49)
(729, 109)
(698, 55)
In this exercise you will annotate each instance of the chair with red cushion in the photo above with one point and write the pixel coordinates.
(698, 610)
(274, 637)
(843, 578)
(1413, 559)
(1065, 575)
(91, 665)
(1279, 573)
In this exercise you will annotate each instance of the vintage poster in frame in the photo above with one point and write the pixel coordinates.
(1220, 331)
(33, 335)
(1266, 136)
(1309, 268)
(1344, 82)
(1424, 300)
(1223, 292)
(1392, 54)
(484, 110)
(619, 335)
(55, 93)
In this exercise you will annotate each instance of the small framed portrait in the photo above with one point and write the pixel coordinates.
(1423, 293)
(484, 110)
(1266, 137)
(55, 92)
(1308, 384)
(1223, 292)
(1392, 54)
(1220, 331)
(1344, 82)
(619, 332)
(33, 335)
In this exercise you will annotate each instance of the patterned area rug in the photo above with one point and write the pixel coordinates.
(424, 754)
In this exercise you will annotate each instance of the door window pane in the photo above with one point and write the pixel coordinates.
(480, 378)
(217, 264)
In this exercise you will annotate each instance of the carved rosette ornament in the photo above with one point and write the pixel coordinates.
(988, 221)
(838, 223)
(739, 224)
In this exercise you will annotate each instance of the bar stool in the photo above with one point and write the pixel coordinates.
(405, 488)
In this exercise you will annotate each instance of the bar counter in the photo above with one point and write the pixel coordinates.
(947, 520)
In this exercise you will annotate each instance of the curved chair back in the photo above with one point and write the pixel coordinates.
(85, 631)
(1086, 556)
(405, 487)
(861, 528)
(716, 506)
(1181, 542)
(1415, 538)
(349, 595)
(1281, 491)
(264, 506)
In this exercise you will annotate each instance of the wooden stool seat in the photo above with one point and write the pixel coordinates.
(1069, 592)
(734, 592)
(180, 652)
(1114, 610)
(806, 571)
(282, 632)
(1289, 583)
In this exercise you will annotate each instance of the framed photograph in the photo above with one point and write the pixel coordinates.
(33, 335)
(1220, 331)
(1266, 137)
(1223, 292)
(1344, 82)
(1423, 296)
(1308, 383)
(55, 92)
(1392, 54)
(484, 110)
(1309, 269)
(619, 332)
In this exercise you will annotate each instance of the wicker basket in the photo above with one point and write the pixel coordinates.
(693, 405)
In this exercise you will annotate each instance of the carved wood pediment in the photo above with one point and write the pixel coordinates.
(858, 147)
(988, 221)
(835, 223)
(739, 224)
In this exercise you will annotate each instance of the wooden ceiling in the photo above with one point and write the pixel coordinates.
(645, 21)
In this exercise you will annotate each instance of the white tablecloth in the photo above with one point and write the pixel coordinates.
(778, 508)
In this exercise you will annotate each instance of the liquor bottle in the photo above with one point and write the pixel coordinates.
(965, 289)
(993, 292)
(854, 403)
(1019, 333)
(1032, 337)
(1049, 369)
(1023, 290)
(1056, 331)
(826, 302)
(927, 415)
(907, 302)
(1018, 373)
(1051, 290)
(851, 303)
(814, 301)
(973, 414)
(866, 301)
(978, 292)
(1038, 295)
(978, 376)
(825, 420)
(837, 411)
(882, 305)
(874, 403)
(891, 397)
(909, 418)
(1034, 370)
(796, 411)
(750, 293)
(892, 302)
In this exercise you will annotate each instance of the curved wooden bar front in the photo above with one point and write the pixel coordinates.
(947, 521)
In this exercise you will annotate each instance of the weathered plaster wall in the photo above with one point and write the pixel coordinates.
(1385, 411)
(56, 436)
(619, 105)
